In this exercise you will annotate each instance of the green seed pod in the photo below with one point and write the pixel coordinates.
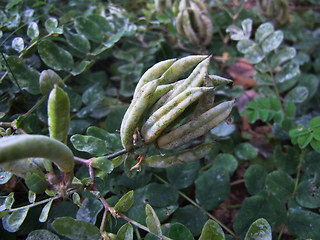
(275, 9)
(58, 114)
(197, 127)
(188, 155)
(135, 113)
(47, 80)
(217, 80)
(161, 118)
(207, 25)
(153, 73)
(161, 91)
(190, 33)
(17, 147)
(179, 67)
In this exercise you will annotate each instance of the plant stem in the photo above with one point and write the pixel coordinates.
(280, 234)
(201, 208)
(298, 172)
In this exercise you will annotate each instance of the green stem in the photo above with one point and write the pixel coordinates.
(298, 172)
(280, 234)
(201, 208)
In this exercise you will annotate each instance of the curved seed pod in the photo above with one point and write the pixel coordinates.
(47, 80)
(187, 27)
(188, 155)
(183, 4)
(217, 80)
(161, 118)
(201, 5)
(135, 113)
(19, 147)
(153, 73)
(196, 21)
(160, 91)
(179, 25)
(207, 25)
(195, 79)
(58, 114)
(179, 67)
(197, 127)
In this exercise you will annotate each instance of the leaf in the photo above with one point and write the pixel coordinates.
(282, 56)
(191, 217)
(82, 67)
(214, 178)
(246, 151)
(152, 221)
(125, 232)
(236, 33)
(51, 25)
(26, 77)
(286, 161)
(254, 55)
(76, 199)
(263, 78)
(33, 30)
(112, 40)
(314, 123)
(245, 45)
(263, 205)
(42, 234)
(289, 71)
(74, 229)
(77, 41)
(89, 210)
(260, 229)
(308, 194)
(17, 44)
(125, 202)
(178, 231)
(225, 161)
(12, 222)
(272, 42)
(297, 95)
(263, 31)
(247, 27)
(45, 211)
(9, 201)
(89, 29)
(254, 178)
(54, 56)
(36, 182)
(315, 144)
(31, 197)
(160, 195)
(4, 176)
(103, 164)
(212, 230)
(48, 79)
(280, 184)
(182, 176)
(303, 224)
(304, 140)
(92, 145)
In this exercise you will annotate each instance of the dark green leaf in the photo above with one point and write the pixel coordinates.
(254, 55)
(54, 56)
(263, 31)
(214, 178)
(286, 161)
(182, 176)
(103, 164)
(282, 56)
(246, 151)
(304, 224)
(297, 95)
(125, 202)
(178, 231)
(260, 229)
(314, 123)
(125, 232)
(82, 67)
(74, 229)
(89, 210)
(27, 78)
(152, 221)
(245, 45)
(262, 78)
(290, 109)
(48, 79)
(112, 40)
(89, 28)
(160, 195)
(272, 42)
(33, 30)
(212, 230)
(42, 234)
(289, 71)
(51, 25)
(280, 184)
(254, 179)
(315, 144)
(304, 140)
(226, 161)
(4, 176)
(36, 182)
(92, 145)
(9, 201)
(191, 217)
(77, 41)
(308, 194)
(275, 103)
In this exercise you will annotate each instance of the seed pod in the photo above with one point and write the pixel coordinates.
(161, 91)
(191, 35)
(207, 25)
(195, 79)
(58, 114)
(179, 67)
(153, 73)
(197, 127)
(161, 118)
(135, 113)
(17, 147)
(217, 80)
(188, 155)
(47, 80)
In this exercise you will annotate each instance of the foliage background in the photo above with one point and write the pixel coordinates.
(259, 167)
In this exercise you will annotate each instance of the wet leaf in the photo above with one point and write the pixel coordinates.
(33, 30)
(17, 44)
(54, 56)
(212, 230)
(74, 229)
(260, 229)
(51, 25)
(272, 42)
